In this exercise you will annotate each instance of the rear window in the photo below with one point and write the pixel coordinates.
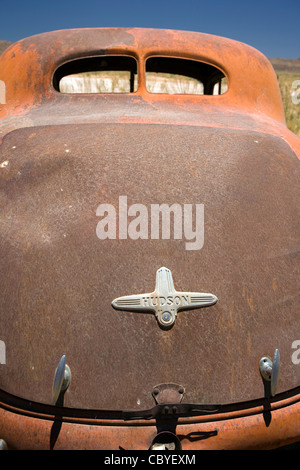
(182, 76)
(102, 74)
(118, 74)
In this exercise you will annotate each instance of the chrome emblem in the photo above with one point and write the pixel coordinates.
(165, 301)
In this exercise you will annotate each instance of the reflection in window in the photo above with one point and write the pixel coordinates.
(173, 84)
(103, 74)
(182, 76)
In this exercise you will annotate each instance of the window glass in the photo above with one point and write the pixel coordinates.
(182, 76)
(103, 74)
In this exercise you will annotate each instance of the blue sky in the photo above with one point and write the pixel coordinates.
(273, 27)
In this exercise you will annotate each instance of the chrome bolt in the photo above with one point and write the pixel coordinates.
(166, 317)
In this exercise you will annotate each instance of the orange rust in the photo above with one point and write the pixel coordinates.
(257, 431)
(261, 95)
(253, 94)
(19, 98)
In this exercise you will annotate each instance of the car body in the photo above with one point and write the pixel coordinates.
(78, 172)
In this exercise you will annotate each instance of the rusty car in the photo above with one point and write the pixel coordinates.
(149, 243)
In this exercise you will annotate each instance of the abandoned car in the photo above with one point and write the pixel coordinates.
(149, 244)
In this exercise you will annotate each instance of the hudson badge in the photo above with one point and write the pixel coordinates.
(165, 301)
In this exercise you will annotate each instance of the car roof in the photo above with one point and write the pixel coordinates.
(27, 67)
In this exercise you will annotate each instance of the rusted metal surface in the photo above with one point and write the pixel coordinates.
(55, 268)
(168, 393)
(64, 155)
(261, 429)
